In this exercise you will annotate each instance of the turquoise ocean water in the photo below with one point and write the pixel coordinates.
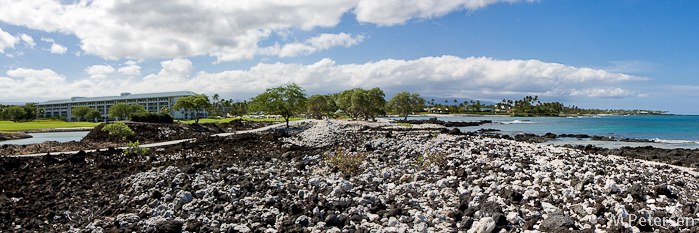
(667, 131)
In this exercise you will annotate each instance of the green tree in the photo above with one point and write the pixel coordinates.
(331, 106)
(40, 112)
(216, 105)
(93, 114)
(344, 102)
(118, 129)
(184, 105)
(368, 103)
(201, 104)
(136, 108)
(80, 112)
(15, 113)
(120, 111)
(320, 105)
(377, 103)
(359, 102)
(284, 100)
(30, 111)
(193, 104)
(238, 108)
(404, 103)
(164, 110)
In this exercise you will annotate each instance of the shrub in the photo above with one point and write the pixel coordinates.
(118, 129)
(346, 162)
(151, 117)
(431, 159)
(135, 148)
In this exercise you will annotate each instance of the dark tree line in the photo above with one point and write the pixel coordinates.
(18, 113)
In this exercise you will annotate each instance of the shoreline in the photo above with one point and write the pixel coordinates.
(25, 133)
(495, 115)
(546, 125)
(50, 130)
(340, 175)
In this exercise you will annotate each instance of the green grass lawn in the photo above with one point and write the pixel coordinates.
(8, 126)
(11, 127)
(232, 119)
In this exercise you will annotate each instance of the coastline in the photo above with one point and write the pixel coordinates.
(609, 131)
(340, 175)
(495, 115)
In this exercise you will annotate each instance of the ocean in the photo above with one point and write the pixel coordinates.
(666, 131)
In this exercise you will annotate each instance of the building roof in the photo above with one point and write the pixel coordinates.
(124, 96)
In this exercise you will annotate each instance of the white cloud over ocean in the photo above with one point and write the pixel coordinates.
(227, 30)
(431, 76)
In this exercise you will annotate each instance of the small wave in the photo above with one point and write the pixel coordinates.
(658, 140)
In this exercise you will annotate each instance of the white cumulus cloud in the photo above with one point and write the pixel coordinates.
(30, 82)
(321, 42)
(55, 47)
(391, 12)
(6, 41)
(99, 71)
(471, 77)
(604, 92)
(174, 71)
(131, 68)
(227, 30)
(28, 40)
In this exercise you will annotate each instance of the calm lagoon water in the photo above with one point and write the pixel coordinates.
(52, 136)
(667, 131)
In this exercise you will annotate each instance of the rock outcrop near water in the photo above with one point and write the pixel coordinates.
(680, 157)
(344, 177)
(13, 136)
(434, 120)
(144, 133)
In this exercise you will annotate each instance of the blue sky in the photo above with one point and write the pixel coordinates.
(594, 54)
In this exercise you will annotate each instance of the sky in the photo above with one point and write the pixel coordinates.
(592, 54)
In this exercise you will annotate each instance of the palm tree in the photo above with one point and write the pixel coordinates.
(215, 105)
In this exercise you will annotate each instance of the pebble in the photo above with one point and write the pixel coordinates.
(486, 182)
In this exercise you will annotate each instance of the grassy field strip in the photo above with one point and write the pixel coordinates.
(6, 126)
(11, 127)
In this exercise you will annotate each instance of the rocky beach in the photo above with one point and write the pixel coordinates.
(345, 176)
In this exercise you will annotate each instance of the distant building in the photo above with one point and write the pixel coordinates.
(153, 102)
(490, 110)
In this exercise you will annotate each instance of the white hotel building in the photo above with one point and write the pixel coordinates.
(153, 102)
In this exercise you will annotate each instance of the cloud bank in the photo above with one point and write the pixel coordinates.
(227, 30)
(447, 76)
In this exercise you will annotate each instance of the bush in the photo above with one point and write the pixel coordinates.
(118, 129)
(431, 159)
(135, 148)
(151, 117)
(346, 162)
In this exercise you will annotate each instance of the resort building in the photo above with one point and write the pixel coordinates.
(153, 102)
